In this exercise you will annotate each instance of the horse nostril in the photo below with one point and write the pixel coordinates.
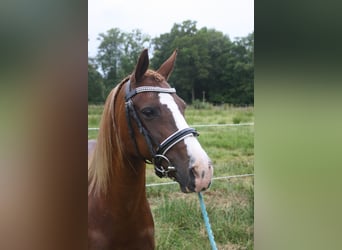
(203, 173)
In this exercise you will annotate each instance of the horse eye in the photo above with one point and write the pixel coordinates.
(149, 112)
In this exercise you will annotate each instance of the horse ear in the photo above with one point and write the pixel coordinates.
(167, 67)
(141, 66)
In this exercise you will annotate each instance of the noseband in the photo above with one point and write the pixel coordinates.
(158, 154)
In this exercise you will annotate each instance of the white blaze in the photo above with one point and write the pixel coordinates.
(195, 151)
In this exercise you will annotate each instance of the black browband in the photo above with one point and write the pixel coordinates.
(158, 155)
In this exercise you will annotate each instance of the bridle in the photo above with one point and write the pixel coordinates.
(158, 153)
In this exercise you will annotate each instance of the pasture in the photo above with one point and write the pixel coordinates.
(230, 202)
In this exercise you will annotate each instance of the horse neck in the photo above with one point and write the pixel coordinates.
(128, 171)
(128, 182)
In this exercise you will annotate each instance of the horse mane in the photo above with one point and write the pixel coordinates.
(107, 149)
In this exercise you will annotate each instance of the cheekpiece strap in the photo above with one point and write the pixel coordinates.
(130, 111)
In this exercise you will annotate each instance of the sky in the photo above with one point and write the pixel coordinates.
(234, 18)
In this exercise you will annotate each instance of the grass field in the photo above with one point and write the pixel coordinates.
(229, 202)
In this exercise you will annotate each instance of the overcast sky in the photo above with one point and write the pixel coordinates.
(234, 18)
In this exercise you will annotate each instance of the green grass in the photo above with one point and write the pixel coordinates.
(229, 202)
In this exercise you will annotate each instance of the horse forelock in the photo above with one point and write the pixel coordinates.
(107, 149)
(155, 75)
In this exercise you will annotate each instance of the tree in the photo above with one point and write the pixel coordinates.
(217, 47)
(117, 54)
(208, 61)
(109, 54)
(242, 89)
(95, 85)
(182, 37)
(134, 43)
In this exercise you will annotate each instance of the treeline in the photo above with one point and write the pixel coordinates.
(209, 65)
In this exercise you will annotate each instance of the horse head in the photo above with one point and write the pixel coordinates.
(160, 134)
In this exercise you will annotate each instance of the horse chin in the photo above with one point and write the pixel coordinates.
(186, 190)
(186, 183)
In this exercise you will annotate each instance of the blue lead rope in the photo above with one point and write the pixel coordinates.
(206, 221)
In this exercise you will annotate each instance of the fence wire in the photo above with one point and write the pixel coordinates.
(215, 178)
(211, 125)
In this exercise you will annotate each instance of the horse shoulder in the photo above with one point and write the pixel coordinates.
(125, 231)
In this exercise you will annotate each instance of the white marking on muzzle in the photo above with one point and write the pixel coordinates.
(199, 160)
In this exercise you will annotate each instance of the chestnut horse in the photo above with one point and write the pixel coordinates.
(143, 121)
